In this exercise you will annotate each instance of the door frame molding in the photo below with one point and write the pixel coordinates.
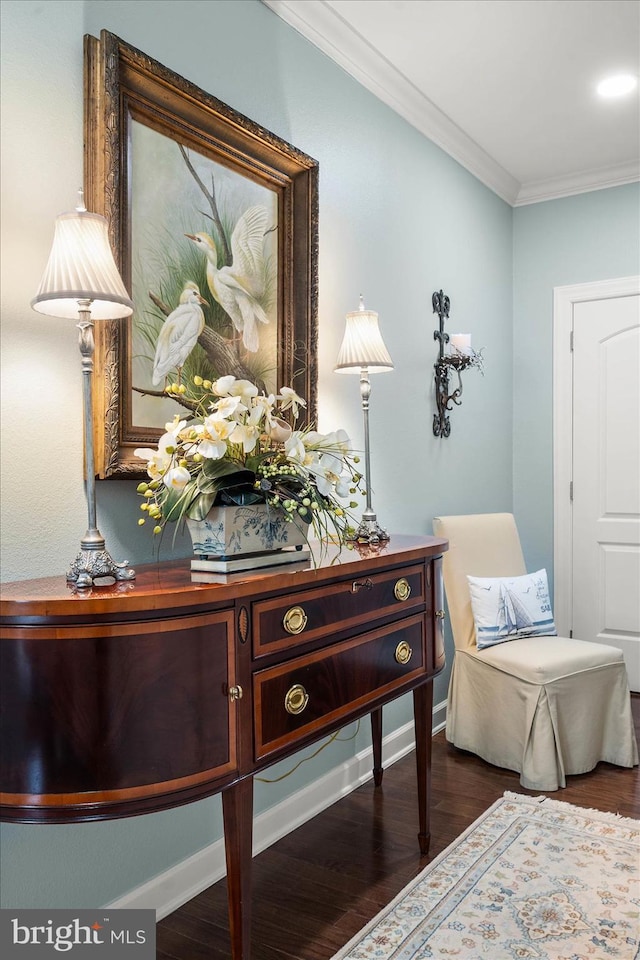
(564, 299)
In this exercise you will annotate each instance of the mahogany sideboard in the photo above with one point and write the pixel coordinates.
(147, 694)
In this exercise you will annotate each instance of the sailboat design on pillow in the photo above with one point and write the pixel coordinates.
(507, 608)
(513, 616)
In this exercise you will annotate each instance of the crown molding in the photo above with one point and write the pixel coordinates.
(538, 190)
(325, 29)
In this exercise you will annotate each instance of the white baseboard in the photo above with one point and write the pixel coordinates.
(176, 886)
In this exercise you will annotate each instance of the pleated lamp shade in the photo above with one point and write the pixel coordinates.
(81, 267)
(362, 345)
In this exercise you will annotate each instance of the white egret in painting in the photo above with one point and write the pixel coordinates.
(238, 288)
(179, 334)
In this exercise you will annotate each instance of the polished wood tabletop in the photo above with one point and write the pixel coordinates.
(168, 584)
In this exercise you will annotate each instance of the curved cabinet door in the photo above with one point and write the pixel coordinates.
(116, 719)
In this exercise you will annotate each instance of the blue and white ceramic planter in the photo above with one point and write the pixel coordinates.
(228, 532)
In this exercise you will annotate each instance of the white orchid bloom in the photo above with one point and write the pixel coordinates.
(246, 434)
(175, 426)
(295, 448)
(212, 449)
(262, 408)
(290, 400)
(245, 390)
(222, 386)
(176, 478)
(227, 407)
(313, 442)
(256, 414)
(343, 441)
(330, 476)
(145, 453)
(327, 454)
(160, 460)
(157, 462)
(215, 433)
(337, 442)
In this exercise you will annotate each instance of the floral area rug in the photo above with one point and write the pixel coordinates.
(531, 879)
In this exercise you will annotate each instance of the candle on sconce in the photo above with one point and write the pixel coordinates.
(460, 343)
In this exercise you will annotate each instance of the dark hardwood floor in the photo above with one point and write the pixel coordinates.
(315, 888)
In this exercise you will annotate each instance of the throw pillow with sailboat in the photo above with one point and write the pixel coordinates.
(506, 608)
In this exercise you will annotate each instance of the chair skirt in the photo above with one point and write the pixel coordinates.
(542, 721)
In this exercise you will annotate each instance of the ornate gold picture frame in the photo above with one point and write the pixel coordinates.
(197, 197)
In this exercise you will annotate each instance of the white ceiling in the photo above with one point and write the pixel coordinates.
(506, 87)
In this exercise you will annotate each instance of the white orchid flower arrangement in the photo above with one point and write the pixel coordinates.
(237, 448)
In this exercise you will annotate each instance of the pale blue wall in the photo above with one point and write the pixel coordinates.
(593, 236)
(398, 220)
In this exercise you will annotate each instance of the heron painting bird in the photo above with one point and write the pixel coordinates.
(239, 287)
(179, 333)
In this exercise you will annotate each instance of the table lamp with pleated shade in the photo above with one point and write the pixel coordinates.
(363, 352)
(81, 281)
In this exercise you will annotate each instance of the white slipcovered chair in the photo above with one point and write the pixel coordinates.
(546, 706)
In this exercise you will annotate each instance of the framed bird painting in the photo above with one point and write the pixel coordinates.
(214, 224)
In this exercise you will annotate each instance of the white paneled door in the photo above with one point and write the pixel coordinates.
(605, 521)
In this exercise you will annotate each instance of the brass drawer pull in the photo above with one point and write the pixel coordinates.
(294, 620)
(403, 652)
(235, 693)
(440, 614)
(296, 699)
(402, 589)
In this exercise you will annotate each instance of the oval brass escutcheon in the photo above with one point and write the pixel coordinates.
(294, 620)
(296, 699)
(403, 652)
(402, 589)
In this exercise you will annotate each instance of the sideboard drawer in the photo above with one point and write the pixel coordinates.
(299, 698)
(287, 621)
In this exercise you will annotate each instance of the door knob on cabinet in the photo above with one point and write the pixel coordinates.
(296, 699)
(294, 620)
(440, 614)
(402, 589)
(235, 693)
(403, 652)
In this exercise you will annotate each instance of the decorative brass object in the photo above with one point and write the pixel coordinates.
(361, 585)
(296, 699)
(402, 589)
(403, 652)
(294, 620)
(235, 693)
(243, 624)
(439, 614)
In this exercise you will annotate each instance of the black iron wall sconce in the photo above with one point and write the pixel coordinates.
(459, 357)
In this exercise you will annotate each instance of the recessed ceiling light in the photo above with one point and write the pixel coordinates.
(617, 86)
